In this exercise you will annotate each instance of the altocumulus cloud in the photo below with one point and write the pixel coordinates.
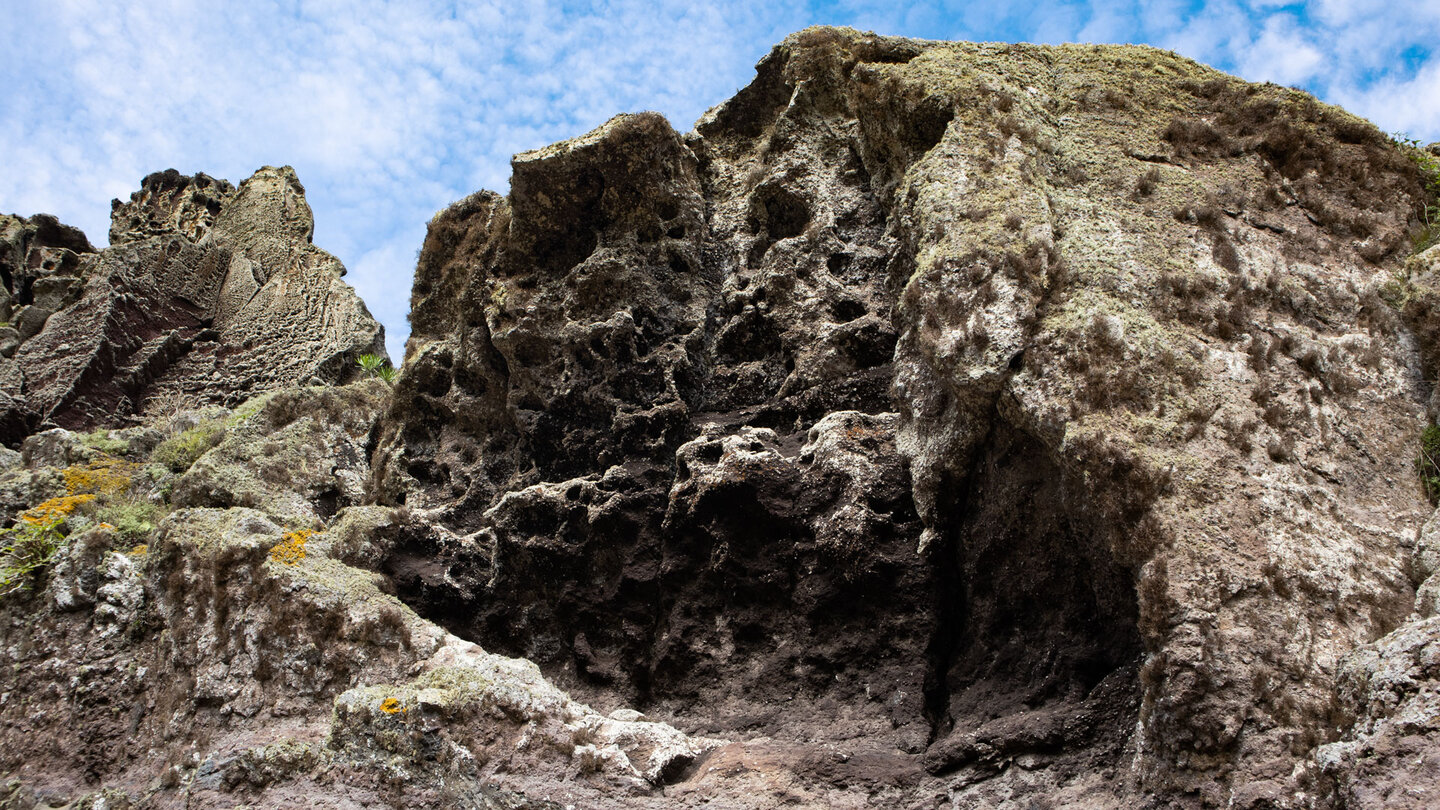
(391, 110)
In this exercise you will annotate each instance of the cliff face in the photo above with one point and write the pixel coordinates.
(991, 404)
(935, 425)
(206, 293)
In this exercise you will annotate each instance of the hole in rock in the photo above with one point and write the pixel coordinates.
(327, 503)
(886, 54)
(846, 310)
(927, 123)
(778, 212)
(712, 597)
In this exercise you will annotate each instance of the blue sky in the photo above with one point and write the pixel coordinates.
(391, 110)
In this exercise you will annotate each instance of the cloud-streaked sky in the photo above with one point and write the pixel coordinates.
(390, 111)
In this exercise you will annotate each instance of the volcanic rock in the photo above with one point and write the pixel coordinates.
(230, 651)
(1034, 412)
(207, 294)
(935, 425)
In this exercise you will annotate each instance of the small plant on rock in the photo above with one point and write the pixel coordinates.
(373, 365)
(32, 542)
(1429, 163)
(1428, 462)
(180, 451)
(132, 519)
(100, 440)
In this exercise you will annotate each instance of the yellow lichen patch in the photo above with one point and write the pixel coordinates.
(291, 548)
(103, 476)
(140, 550)
(391, 705)
(54, 510)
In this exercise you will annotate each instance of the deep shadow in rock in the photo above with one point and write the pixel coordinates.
(1038, 619)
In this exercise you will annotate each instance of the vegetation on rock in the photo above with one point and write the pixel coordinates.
(181, 451)
(373, 365)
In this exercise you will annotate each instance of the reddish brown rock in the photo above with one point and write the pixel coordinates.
(208, 293)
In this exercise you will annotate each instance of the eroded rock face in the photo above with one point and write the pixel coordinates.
(1053, 385)
(207, 293)
(937, 425)
(220, 656)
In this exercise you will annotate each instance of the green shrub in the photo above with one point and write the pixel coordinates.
(1428, 462)
(27, 548)
(134, 520)
(180, 451)
(100, 440)
(373, 365)
(32, 542)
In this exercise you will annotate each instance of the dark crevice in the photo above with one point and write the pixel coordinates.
(1035, 610)
(950, 616)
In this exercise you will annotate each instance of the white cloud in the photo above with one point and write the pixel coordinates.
(1400, 105)
(1281, 54)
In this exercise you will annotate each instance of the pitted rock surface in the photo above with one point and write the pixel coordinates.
(937, 425)
(208, 294)
(1139, 473)
(222, 657)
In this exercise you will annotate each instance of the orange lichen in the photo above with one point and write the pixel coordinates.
(391, 705)
(55, 510)
(103, 476)
(291, 548)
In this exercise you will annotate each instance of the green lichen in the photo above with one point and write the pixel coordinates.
(101, 441)
(134, 519)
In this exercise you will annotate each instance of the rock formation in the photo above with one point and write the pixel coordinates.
(935, 425)
(228, 649)
(206, 293)
(1032, 415)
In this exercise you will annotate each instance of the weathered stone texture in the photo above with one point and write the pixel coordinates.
(227, 659)
(935, 425)
(1119, 319)
(207, 292)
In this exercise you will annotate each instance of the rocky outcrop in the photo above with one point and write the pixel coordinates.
(208, 294)
(227, 654)
(1034, 412)
(936, 425)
